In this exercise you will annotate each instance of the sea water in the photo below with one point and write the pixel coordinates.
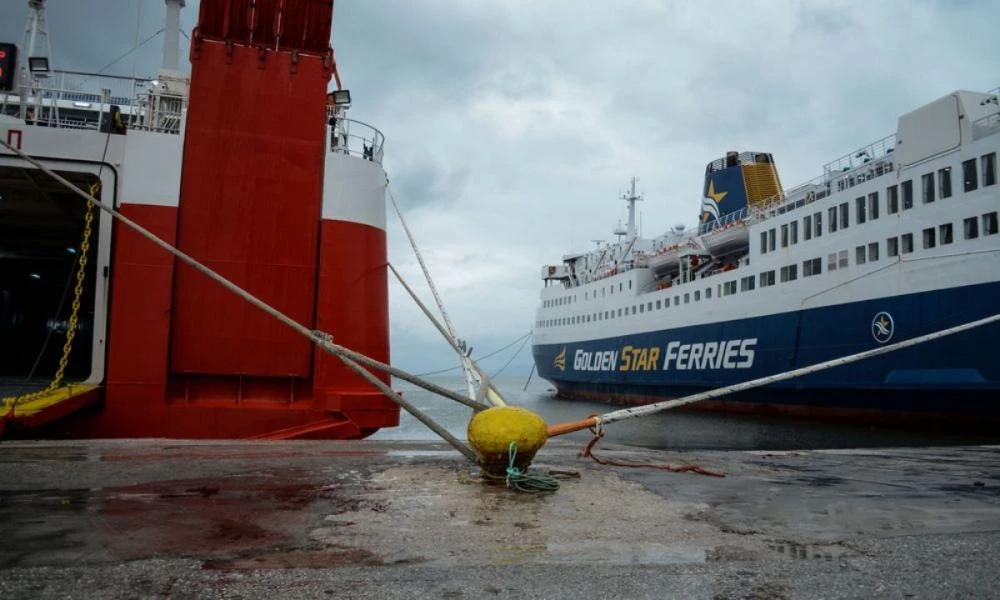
(674, 429)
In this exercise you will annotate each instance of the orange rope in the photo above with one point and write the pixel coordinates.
(589, 452)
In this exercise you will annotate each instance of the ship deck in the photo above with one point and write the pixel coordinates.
(115, 519)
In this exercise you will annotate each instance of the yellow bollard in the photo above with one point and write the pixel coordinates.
(491, 431)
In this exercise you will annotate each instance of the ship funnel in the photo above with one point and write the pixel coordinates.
(736, 182)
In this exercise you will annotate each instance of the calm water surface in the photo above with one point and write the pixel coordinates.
(667, 430)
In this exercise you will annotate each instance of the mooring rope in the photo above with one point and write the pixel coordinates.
(324, 341)
(528, 481)
(478, 359)
(473, 375)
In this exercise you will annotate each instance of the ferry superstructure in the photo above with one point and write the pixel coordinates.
(894, 240)
(249, 165)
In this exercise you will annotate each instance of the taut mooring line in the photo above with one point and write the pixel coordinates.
(349, 357)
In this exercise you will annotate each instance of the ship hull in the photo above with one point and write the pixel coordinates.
(956, 376)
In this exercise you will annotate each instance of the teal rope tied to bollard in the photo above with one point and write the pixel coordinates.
(528, 481)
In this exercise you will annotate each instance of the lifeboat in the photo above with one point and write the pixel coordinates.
(727, 239)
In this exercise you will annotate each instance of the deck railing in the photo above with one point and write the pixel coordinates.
(355, 138)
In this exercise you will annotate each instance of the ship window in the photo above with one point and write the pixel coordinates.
(612, 289)
(789, 273)
(619, 286)
(833, 219)
(845, 215)
(969, 176)
(892, 246)
(657, 305)
(687, 298)
(929, 238)
(944, 234)
(807, 229)
(971, 226)
(629, 284)
(842, 259)
(649, 306)
(677, 300)
(892, 200)
(907, 243)
(795, 232)
(831, 261)
(907, 187)
(873, 252)
(818, 224)
(989, 164)
(697, 295)
(747, 283)
(873, 205)
(784, 235)
(812, 267)
(859, 255)
(763, 242)
(767, 278)
(633, 309)
(708, 293)
(859, 208)
(989, 223)
(770, 238)
(944, 182)
(642, 308)
(927, 181)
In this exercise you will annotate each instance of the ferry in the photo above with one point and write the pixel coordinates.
(250, 164)
(894, 240)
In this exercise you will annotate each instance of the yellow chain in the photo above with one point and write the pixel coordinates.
(74, 316)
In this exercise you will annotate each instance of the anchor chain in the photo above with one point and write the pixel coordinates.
(81, 273)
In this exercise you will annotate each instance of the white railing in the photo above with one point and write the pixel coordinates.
(355, 138)
(71, 99)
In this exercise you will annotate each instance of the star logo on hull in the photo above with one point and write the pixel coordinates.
(559, 361)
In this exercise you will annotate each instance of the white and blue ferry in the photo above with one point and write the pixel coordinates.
(894, 240)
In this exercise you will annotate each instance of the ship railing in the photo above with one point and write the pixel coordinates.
(724, 221)
(989, 124)
(354, 138)
(159, 112)
(985, 126)
(71, 99)
(862, 157)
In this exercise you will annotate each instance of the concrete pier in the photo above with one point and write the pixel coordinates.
(162, 518)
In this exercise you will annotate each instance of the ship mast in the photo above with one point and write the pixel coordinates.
(33, 32)
(631, 198)
(171, 34)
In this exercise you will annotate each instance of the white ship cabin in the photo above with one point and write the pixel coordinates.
(913, 211)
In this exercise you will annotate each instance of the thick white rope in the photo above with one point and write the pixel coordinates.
(319, 338)
(474, 378)
(641, 411)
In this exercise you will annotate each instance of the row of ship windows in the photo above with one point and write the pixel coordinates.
(903, 244)
(867, 209)
(586, 295)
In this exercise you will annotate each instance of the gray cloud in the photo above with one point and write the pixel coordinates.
(512, 127)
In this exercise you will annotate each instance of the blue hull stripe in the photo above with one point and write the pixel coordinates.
(956, 373)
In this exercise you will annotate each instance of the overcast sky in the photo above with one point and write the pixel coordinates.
(513, 126)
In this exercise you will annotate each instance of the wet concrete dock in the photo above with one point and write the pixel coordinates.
(160, 518)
